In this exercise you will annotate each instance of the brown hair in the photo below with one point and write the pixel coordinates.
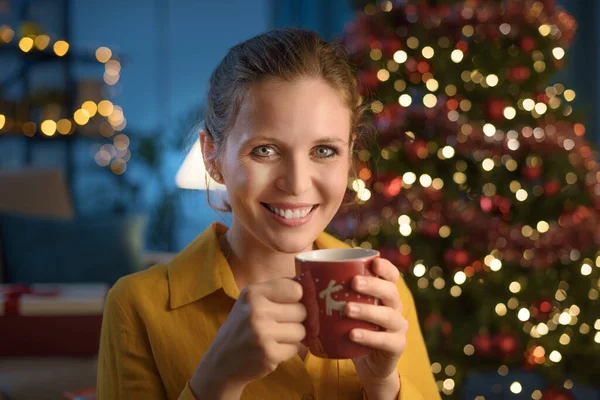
(282, 54)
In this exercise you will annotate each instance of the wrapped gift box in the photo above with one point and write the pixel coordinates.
(51, 319)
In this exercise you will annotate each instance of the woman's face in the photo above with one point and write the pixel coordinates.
(286, 163)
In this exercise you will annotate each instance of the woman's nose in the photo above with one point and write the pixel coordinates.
(295, 177)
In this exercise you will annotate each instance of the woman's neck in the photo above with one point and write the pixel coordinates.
(253, 262)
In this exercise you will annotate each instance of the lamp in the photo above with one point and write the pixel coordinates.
(192, 173)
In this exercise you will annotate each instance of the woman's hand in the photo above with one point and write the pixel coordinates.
(263, 330)
(377, 370)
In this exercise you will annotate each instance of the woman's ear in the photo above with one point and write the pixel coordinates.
(209, 156)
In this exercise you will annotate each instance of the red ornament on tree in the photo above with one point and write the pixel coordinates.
(393, 187)
(449, 257)
(390, 46)
(483, 344)
(485, 203)
(544, 307)
(532, 173)
(430, 228)
(495, 109)
(555, 393)
(446, 328)
(456, 258)
(519, 74)
(552, 187)
(506, 344)
(417, 150)
(528, 44)
(404, 262)
(461, 258)
(433, 194)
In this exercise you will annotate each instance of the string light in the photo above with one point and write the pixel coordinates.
(558, 53)
(42, 42)
(460, 278)
(492, 80)
(103, 54)
(544, 29)
(455, 291)
(514, 287)
(90, 107)
(425, 180)
(409, 178)
(521, 195)
(523, 314)
(81, 116)
(516, 387)
(528, 104)
(61, 48)
(509, 113)
(383, 75)
(569, 95)
(26, 44)
(457, 56)
(542, 328)
(6, 33)
(487, 164)
(412, 42)
(48, 127)
(64, 126)
(555, 356)
(419, 270)
(489, 130)
(500, 309)
(405, 100)
(428, 52)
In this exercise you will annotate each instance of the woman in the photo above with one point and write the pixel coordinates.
(222, 320)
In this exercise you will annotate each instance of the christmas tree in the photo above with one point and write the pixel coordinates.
(480, 185)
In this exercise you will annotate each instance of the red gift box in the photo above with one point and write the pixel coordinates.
(51, 320)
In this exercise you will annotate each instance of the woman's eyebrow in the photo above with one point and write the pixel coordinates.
(268, 138)
(331, 139)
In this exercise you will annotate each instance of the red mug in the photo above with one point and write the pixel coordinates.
(326, 278)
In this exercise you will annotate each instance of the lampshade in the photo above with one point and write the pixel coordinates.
(192, 173)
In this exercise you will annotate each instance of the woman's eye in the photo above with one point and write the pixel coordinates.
(325, 152)
(263, 151)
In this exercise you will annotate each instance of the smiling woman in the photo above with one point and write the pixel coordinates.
(275, 154)
(223, 320)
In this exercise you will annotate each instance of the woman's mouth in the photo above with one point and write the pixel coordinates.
(295, 213)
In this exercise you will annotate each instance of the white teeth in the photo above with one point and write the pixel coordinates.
(291, 214)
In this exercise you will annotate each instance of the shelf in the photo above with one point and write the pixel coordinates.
(47, 139)
(38, 56)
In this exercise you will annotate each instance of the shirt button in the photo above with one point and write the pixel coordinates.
(308, 397)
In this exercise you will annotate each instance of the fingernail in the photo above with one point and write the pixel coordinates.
(360, 282)
(354, 309)
(357, 334)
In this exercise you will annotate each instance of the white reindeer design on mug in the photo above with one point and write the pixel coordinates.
(330, 303)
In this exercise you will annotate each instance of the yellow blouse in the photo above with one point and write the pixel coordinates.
(158, 323)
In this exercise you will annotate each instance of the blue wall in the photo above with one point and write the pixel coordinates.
(171, 47)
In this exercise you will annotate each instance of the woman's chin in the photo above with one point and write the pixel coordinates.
(293, 246)
(293, 242)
